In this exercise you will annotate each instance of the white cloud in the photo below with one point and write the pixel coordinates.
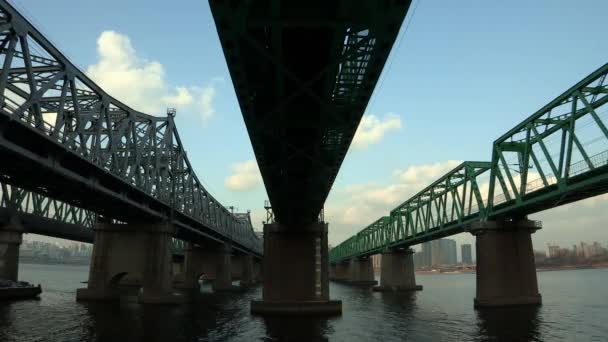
(353, 207)
(372, 129)
(245, 177)
(141, 84)
(205, 103)
(426, 173)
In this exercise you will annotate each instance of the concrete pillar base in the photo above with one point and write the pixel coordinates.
(247, 272)
(299, 308)
(138, 255)
(223, 273)
(341, 272)
(397, 271)
(506, 273)
(11, 236)
(296, 272)
(396, 288)
(361, 272)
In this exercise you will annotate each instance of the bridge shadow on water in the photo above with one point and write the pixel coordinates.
(509, 324)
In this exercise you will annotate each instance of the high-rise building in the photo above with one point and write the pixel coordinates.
(443, 252)
(426, 255)
(466, 254)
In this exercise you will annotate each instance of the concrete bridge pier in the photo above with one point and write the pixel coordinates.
(296, 272)
(342, 271)
(397, 271)
(213, 262)
(247, 272)
(257, 271)
(223, 268)
(141, 251)
(506, 272)
(11, 236)
(361, 272)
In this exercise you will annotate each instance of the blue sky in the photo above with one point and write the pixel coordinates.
(462, 74)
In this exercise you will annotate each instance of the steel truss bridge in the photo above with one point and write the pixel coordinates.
(72, 153)
(303, 72)
(556, 156)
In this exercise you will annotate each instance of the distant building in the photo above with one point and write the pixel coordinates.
(552, 250)
(466, 254)
(443, 252)
(426, 257)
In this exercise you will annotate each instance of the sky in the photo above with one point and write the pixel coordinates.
(460, 75)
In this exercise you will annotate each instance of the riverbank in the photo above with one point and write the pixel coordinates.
(538, 269)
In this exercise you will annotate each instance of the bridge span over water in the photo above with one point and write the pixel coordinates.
(75, 159)
(556, 156)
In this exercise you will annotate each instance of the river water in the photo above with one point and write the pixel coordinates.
(575, 308)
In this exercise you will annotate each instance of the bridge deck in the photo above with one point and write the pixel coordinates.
(304, 72)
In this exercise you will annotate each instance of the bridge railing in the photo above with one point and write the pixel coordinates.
(556, 156)
(43, 90)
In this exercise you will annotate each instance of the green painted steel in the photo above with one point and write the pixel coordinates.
(303, 72)
(556, 156)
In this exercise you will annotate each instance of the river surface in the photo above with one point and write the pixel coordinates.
(575, 308)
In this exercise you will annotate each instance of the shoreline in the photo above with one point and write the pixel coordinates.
(31, 262)
(538, 269)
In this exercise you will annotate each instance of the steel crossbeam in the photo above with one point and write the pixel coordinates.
(65, 137)
(303, 72)
(556, 156)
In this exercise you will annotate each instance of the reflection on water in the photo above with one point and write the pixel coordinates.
(296, 329)
(509, 324)
(575, 308)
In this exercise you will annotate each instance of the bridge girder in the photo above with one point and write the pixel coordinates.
(303, 72)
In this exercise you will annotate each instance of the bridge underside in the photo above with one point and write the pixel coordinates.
(304, 72)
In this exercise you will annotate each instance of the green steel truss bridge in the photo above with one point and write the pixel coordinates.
(304, 72)
(71, 153)
(47, 216)
(556, 156)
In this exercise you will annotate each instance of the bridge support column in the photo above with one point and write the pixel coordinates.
(193, 267)
(296, 275)
(332, 271)
(223, 270)
(397, 271)
(506, 272)
(361, 272)
(140, 250)
(247, 276)
(11, 236)
(257, 271)
(342, 272)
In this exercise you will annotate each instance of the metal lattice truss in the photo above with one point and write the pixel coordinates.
(304, 72)
(17, 201)
(439, 210)
(43, 91)
(556, 156)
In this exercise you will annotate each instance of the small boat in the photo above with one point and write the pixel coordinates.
(18, 290)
